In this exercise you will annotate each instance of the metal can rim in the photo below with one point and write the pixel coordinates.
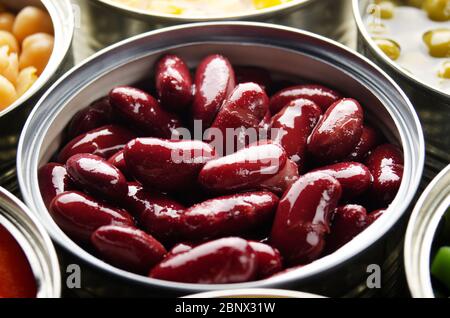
(424, 221)
(326, 263)
(391, 64)
(254, 293)
(256, 14)
(63, 20)
(32, 237)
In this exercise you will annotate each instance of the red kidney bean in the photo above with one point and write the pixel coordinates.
(53, 180)
(167, 165)
(354, 177)
(180, 248)
(128, 248)
(348, 221)
(386, 165)
(283, 179)
(157, 213)
(97, 176)
(173, 83)
(103, 141)
(303, 217)
(79, 215)
(223, 261)
(338, 131)
(245, 108)
(373, 216)
(294, 123)
(268, 258)
(98, 114)
(245, 169)
(369, 140)
(142, 111)
(228, 215)
(118, 161)
(320, 95)
(214, 81)
(252, 74)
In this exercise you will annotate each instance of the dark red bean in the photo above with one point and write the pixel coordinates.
(268, 258)
(142, 111)
(293, 124)
(283, 179)
(167, 165)
(103, 141)
(223, 261)
(97, 176)
(303, 217)
(386, 165)
(245, 108)
(98, 114)
(236, 214)
(79, 215)
(128, 248)
(243, 170)
(258, 75)
(214, 81)
(118, 161)
(179, 249)
(173, 83)
(53, 180)
(368, 141)
(348, 221)
(338, 131)
(157, 213)
(354, 177)
(319, 94)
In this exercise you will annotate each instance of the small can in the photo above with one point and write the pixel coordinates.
(422, 232)
(14, 116)
(287, 51)
(109, 21)
(432, 105)
(35, 243)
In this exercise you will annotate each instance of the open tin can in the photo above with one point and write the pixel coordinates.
(34, 242)
(14, 116)
(293, 53)
(422, 233)
(432, 105)
(109, 21)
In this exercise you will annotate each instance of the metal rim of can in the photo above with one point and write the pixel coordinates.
(63, 20)
(256, 14)
(407, 123)
(357, 14)
(254, 293)
(420, 234)
(35, 243)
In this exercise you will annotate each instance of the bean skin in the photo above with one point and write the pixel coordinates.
(303, 217)
(283, 179)
(369, 140)
(118, 161)
(53, 180)
(223, 261)
(269, 259)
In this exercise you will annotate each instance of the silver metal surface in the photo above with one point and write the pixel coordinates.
(422, 226)
(254, 293)
(13, 117)
(287, 51)
(109, 22)
(433, 106)
(34, 241)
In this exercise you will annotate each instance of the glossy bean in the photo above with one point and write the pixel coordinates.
(368, 141)
(283, 179)
(268, 258)
(118, 161)
(53, 180)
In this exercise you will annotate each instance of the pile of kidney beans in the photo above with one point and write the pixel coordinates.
(115, 189)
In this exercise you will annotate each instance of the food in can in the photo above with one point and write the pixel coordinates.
(416, 36)
(26, 44)
(253, 209)
(200, 8)
(440, 264)
(17, 279)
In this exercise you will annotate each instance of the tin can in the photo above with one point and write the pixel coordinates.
(282, 50)
(254, 293)
(432, 105)
(13, 117)
(35, 243)
(421, 233)
(108, 22)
